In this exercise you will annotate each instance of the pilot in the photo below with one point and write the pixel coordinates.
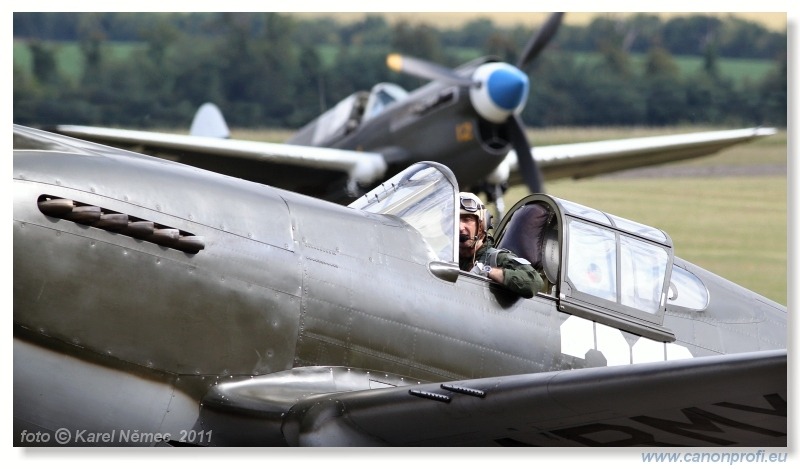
(478, 255)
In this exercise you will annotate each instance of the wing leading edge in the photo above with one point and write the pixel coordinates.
(316, 171)
(593, 158)
(729, 400)
(267, 163)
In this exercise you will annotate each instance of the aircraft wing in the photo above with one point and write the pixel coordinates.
(268, 163)
(321, 168)
(592, 158)
(727, 400)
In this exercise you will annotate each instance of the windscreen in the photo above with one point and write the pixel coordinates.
(424, 198)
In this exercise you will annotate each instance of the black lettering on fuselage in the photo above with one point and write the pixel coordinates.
(699, 420)
(703, 420)
(777, 403)
(629, 436)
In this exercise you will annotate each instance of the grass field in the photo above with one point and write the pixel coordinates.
(69, 58)
(733, 225)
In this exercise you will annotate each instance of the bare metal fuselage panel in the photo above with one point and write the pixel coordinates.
(271, 299)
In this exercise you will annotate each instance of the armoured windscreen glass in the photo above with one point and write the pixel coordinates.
(425, 199)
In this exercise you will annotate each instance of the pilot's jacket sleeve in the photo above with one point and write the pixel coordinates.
(519, 275)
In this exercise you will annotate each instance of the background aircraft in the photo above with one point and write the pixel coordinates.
(466, 118)
(147, 311)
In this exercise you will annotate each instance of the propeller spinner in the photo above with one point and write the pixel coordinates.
(499, 91)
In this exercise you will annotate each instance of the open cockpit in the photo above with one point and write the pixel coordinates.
(598, 266)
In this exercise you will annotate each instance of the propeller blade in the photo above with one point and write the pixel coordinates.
(527, 166)
(423, 69)
(538, 42)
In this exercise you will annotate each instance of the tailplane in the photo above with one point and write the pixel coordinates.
(208, 122)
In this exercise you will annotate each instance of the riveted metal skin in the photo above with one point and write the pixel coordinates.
(286, 300)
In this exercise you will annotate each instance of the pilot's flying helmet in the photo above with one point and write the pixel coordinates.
(472, 205)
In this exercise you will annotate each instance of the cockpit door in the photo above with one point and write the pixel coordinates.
(600, 266)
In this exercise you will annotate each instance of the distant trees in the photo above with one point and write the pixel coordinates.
(44, 65)
(269, 69)
(770, 102)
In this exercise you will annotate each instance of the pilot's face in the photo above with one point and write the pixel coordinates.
(468, 229)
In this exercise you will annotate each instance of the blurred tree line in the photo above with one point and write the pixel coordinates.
(279, 70)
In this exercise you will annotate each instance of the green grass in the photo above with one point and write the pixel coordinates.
(735, 227)
(740, 71)
(69, 58)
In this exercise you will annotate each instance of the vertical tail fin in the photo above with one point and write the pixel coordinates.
(208, 122)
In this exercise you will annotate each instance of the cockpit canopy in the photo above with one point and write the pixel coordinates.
(381, 96)
(425, 197)
(349, 114)
(599, 266)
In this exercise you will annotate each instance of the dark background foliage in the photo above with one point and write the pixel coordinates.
(279, 70)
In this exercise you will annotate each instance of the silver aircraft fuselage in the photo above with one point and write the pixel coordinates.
(237, 281)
